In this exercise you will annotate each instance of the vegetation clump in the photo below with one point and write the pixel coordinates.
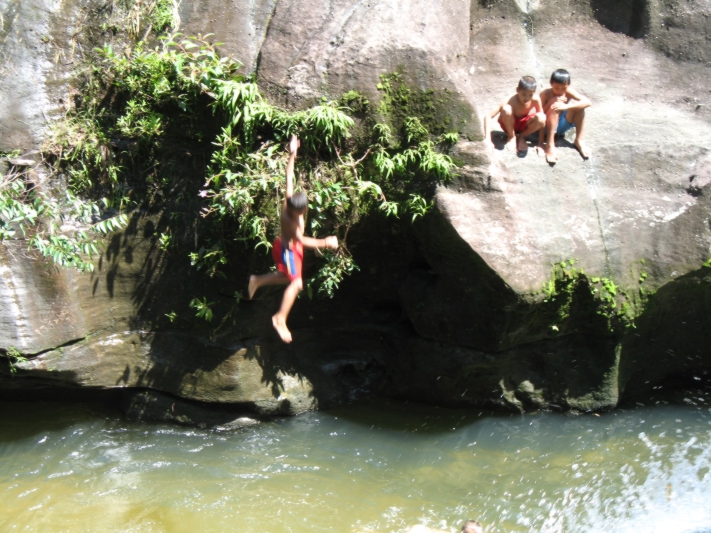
(43, 218)
(438, 111)
(176, 123)
(14, 356)
(618, 307)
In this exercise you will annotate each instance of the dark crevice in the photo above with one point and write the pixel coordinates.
(630, 17)
(267, 29)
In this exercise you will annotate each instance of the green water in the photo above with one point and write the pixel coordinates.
(373, 467)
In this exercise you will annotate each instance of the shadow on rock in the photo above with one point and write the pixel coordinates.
(672, 336)
(630, 17)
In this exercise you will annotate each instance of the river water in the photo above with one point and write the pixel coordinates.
(376, 467)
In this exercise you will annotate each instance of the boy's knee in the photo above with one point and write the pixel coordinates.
(579, 115)
(507, 110)
(540, 118)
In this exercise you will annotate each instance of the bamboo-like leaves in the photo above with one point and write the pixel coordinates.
(386, 171)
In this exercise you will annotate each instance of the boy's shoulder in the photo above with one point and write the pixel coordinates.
(572, 93)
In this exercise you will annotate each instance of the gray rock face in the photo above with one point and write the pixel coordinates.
(475, 328)
(37, 52)
(240, 24)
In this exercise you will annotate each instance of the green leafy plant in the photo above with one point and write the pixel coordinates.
(356, 102)
(329, 277)
(40, 219)
(449, 138)
(209, 259)
(202, 308)
(164, 241)
(14, 356)
(164, 15)
(418, 206)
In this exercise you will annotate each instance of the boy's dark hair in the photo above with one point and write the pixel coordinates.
(527, 83)
(298, 202)
(561, 76)
(471, 527)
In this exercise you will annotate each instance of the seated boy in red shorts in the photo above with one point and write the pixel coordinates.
(288, 249)
(519, 117)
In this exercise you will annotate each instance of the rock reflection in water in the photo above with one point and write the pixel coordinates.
(379, 467)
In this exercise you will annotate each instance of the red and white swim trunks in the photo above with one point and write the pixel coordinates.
(520, 123)
(288, 260)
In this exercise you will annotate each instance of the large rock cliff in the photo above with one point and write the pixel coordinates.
(473, 305)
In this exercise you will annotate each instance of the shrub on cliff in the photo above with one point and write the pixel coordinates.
(139, 107)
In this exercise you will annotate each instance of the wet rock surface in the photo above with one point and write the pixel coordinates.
(151, 406)
(451, 312)
(37, 53)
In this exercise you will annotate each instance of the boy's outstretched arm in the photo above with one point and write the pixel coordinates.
(309, 242)
(293, 148)
(487, 124)
(538, 104)
(575, 101)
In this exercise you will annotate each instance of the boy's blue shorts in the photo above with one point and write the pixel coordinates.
(563, 124)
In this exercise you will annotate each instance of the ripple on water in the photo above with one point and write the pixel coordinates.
(370, 467)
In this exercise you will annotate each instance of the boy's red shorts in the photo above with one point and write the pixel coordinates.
(520, 123)
(288, 260)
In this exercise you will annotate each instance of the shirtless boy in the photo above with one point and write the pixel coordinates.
(288, 249)
(564, 109)
(520, 116)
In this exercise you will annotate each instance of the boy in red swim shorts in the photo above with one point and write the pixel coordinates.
(519, 117)
(288, 248)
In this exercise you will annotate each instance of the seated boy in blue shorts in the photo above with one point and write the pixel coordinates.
(564, 109)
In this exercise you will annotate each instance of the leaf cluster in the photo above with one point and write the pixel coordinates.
(137, 101)
(14, 356)
(64, 230)
(617, 306)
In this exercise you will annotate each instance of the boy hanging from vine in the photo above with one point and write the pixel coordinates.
(288, 248)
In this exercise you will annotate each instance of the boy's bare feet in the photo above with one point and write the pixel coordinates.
(582, 148)
(511, 145)
(252, 287)
(540, 150)
(551, 155)
(522, 146)
(282, 330)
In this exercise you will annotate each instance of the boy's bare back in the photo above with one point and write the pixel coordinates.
(292, 226)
